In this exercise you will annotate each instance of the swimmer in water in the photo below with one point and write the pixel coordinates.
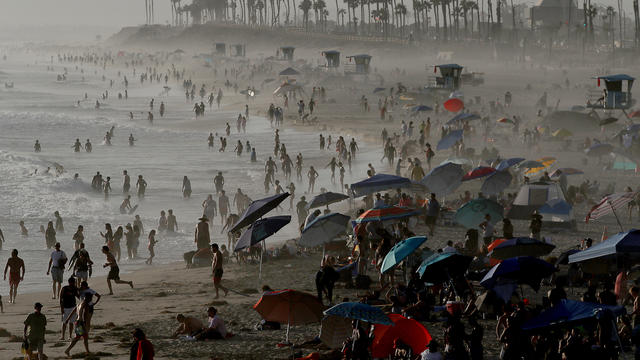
(76, 146)
(37, 148)
(23, 229)
(126, 205)
(254, 157)
(107, 138)
(131, 139)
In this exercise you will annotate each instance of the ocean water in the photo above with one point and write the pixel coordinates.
(39, 107)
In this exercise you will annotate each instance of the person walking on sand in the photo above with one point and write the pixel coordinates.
(81, 312)
(68, 295)
(16, 268)
(152, 244)
(216, 269)
(114, 270)
(34, 330)
(57, 261)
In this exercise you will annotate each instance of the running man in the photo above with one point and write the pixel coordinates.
(16, 268)
(216, 269)
(114, 270)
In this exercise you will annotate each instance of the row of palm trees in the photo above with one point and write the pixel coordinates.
(452, 19)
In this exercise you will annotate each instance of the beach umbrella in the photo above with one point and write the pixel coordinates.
(521, 246)
(530, 164)
(463, 117)
(421, 108)
(379, 182)
(496, 183)
(566, 171)
(258, 209)
(607, 121)
(609, 204)
(443, 179)
(495, 243)
(401, 251)
(289, 72)
(442, 267)
(507, 163)
(386, 213)
(325, 199)
(561, 133)
(289, 307)
(597, 150)
(378, 89)
(546, 162)
(449, 140)
(453, 105)
(323, 229)
(571, 313)
(458, 161)
(519, 270)
(409, 331)
(359, 311)
(623, 243)
(471, 214)
(260, 230)
(635, 114)
(622, 162)
(478, 172)
(334, 330)
(504, 120)
(563, 259)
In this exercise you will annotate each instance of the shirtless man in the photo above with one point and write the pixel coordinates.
(16, 268)
(114, 270)
(218, 182)
(216, 269)
(126, 185)
(312, 174)
(209, 208)
(82, 332)
(188, 326)
(142, 186)
(223, 206)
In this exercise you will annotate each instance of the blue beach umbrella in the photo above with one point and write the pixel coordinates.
(258, 209)
(463, 117)
(360, 311)
(507, 163)
(401, 251)
(471, 214)
(325, 199)
(323, 229)
(449, 140)
(379, 182)
(624, 243)
(521, 246)
(519, 270)
(260, 230)
(571, 313)
(443, 179)
(421, 108)
(496, 183)
(441, 267)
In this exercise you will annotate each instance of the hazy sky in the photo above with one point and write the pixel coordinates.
(114, 13)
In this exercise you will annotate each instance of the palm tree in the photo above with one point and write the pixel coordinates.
(320, 8)
(416, 15)
(339, 16)
(260, 8)
(401, 11)
(436, 5)
(305, 6)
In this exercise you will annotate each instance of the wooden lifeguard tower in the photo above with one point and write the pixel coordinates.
(616, 94)
(358, 65)
(286, 53)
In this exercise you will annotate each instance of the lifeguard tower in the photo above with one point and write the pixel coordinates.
(333, 59)
(614, 96)
(239, 50)
(221, 48)
(449, 79)
(358, 64)
(286, 53)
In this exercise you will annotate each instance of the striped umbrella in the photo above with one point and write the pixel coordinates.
(521, 246)
(545, 161)
(386, 213)
(360, 311)
(609, 204)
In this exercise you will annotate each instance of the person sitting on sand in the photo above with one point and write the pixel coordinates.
(216, 329)
(188, 326)
(142, 349)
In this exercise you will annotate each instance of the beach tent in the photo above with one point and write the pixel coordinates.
(557, 212)
(532, 197)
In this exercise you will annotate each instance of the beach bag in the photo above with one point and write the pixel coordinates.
(363, 282)
(25, 346)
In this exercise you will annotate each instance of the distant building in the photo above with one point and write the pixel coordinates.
(555, 13)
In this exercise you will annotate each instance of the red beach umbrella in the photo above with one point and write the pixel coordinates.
(408, 331)
(479, 172)
(454, 105)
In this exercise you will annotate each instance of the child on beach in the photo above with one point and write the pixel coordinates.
(152, 244)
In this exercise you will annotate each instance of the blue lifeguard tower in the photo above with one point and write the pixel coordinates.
(358, 64)
(449, 79)
(616, 95)
(333, 59)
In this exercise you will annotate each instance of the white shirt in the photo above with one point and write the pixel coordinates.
(449, 249)
(56, 256)
(488, 230)
(379, 203)
(426, 355)
(217, 323)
